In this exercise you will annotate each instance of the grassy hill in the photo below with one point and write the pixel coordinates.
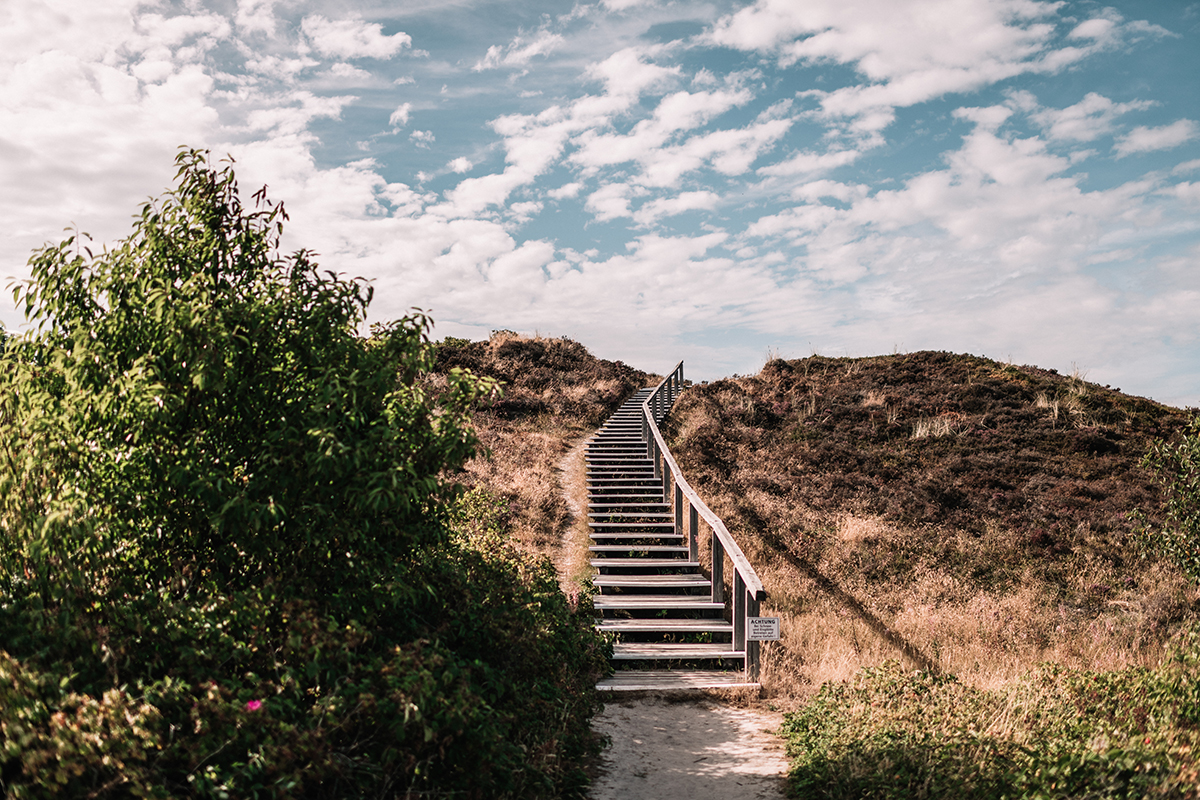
(555, 393)
(965, 513)
(968, 519)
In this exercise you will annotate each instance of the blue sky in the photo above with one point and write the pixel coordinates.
(713, 181)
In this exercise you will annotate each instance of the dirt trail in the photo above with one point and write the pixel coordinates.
(689, 750)
(571, 556)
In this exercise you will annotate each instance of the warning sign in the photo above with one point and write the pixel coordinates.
(762, 629)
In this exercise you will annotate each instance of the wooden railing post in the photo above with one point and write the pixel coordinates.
(678, 509)
(752, 648)
(739, 611)
(693, 533)
(718, 569)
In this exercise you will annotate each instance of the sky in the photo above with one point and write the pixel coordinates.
(718, 182)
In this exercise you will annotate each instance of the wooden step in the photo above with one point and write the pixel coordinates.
(649, 504)
(652, 582)
(633, 651)
(631, 515)
(640, 561)
(627, 548)
(603, 485)
(664, 626)
(665, 680)
(659, 538)
(651, 602)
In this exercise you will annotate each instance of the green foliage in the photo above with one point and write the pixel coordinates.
(1056, 733)
(227, 564)
(1177, 467)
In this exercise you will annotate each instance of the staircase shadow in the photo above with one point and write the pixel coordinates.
(888, 634)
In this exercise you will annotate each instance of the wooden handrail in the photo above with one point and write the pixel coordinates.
(748, 590)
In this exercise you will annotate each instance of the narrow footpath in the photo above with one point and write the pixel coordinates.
(688, 750)
(677, 747)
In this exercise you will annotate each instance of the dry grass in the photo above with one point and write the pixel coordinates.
(555, 393)
(935, 427)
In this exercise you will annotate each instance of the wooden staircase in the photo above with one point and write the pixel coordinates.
(669, 619)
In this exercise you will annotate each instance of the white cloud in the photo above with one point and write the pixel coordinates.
(611, 201)
(729, 152)
(810, 163)
(519, 52)
(422, 138)
(1143, 140)
(626, 73)
(565, 191)
(521, 213)
(352, 38)
(624, 5)
(256, 16)
(915, 51)
(399, 117)
(680, 111)
(460, 164)
(295, 111)
(1097, 28)
(534, 142)
(679, 204)
(1091, 117)
(989, 118)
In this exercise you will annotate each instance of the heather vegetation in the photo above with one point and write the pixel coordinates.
(975, 522)
(233, 558)
(555, 394)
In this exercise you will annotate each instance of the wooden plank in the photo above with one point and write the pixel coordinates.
(643, 602)
(629, 651)
(651, 581)
(632, 515)
(641, 680)
(641, 561)
(660, 538)
(664, 626)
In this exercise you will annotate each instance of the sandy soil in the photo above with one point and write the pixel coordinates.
(571, 556)
(688, 750)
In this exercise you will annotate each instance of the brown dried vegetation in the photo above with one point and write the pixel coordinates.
(554, 393)
(964, 513)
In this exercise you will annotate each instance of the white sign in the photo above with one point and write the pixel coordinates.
(762, 629)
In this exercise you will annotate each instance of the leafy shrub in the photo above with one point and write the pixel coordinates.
(1177, 467)
(228, 562)
(1057, 733)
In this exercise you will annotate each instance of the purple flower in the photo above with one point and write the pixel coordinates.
(254, 705)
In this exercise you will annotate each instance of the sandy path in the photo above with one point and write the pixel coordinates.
(670, 749)
(690, 750)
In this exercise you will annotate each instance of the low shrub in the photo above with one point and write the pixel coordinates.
(1056, 733)
(1176, 466)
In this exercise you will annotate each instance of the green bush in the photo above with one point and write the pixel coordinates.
(229, 564)
(1177, 467)
(1056, 733)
